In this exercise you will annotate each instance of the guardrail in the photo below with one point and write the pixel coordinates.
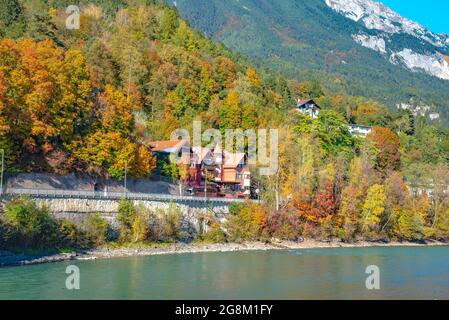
(101, 195)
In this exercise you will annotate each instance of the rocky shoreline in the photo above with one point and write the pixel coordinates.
(14, 259)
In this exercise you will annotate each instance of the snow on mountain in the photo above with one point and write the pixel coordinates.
(376, 16)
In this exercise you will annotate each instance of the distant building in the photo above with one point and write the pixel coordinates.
(359, 130)
(308, 107)
(312, 109)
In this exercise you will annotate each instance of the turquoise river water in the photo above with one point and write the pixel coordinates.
(405, 273)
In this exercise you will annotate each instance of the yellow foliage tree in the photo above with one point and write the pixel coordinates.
(373, 207)
(253, 77)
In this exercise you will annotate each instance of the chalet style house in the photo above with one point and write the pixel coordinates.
(312, 109)
(308, 107)
(225, 170)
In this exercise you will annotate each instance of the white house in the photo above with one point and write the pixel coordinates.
(312, 109)
(308, 107)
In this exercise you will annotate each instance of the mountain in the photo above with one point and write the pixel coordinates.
(377, 17)
(357, 47)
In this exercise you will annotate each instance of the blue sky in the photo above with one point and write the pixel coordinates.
(433, 14)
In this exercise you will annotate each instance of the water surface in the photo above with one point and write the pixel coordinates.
(337, 273)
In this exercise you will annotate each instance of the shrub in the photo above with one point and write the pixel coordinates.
(440, 231)
(6, 233)
(132, 224)
(34, 226)
(164, 225)
(140, 227)
(311, 230)
(97, 229)
(409, 225)
(235, 208)
(156, 230)
(247, 223)
(173, 219)
(283, 225)
(70, 235)
(213, 233)
(126, 213)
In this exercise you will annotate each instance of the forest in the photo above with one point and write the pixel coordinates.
(88, 101)
(305, 39)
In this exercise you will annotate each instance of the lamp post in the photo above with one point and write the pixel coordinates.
(205, 182)
(126, 171)
(1, 176)
(258, 194)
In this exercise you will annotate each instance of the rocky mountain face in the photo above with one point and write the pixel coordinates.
(376, 16)
(384, 23)
(357, 47)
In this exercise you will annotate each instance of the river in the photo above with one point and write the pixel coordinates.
(337, 273)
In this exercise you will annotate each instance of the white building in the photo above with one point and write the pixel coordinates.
(308, 107)
(312, 109)
(359, 130)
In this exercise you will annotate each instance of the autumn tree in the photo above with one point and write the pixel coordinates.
(387, 144)
(47, 93)
(231, 112)
(224, 71)
(103, 68)
(253, 77)
(373, 209)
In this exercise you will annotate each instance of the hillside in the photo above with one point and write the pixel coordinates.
(90, 100)
(355, 47)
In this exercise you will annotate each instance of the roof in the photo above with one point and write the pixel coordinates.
(218, 149)
(201, 153)
(301, 103)
(166, 146)
(233, 159)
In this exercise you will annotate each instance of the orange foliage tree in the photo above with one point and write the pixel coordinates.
(387, 144)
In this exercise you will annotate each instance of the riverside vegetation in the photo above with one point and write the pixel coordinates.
(25, 227)
(88, 101)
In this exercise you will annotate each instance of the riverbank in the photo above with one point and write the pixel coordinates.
(15, 259)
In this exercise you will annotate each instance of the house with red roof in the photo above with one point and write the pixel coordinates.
(228, 171)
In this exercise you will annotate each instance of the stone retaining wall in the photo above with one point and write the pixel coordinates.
(79, 209)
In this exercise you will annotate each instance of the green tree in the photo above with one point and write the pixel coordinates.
(34, 225)
(332, 131)
(169, 24)
(410, 226)
(10, 10)
(126, 213)
(97, 229)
